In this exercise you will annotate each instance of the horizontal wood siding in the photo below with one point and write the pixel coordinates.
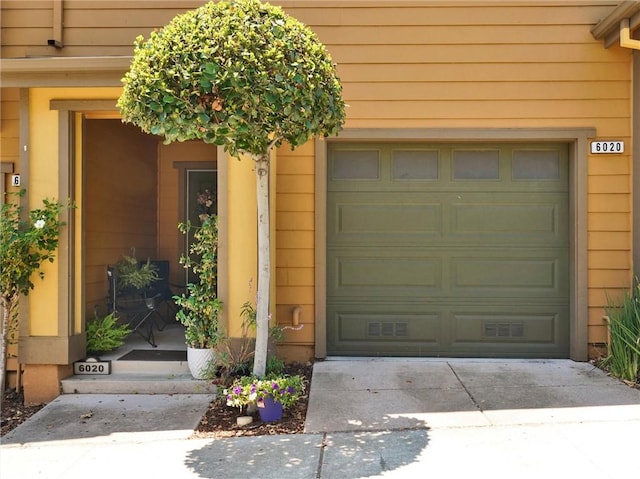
(295, 283)
(418, 65)
(9, 128)
(90, 28)
(120, 202)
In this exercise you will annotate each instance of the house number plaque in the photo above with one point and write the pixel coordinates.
(605, 147)
(92, 366)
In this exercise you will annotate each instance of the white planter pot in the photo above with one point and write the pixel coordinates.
(198, 361)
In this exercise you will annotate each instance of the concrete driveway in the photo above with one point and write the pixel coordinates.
(393, 394)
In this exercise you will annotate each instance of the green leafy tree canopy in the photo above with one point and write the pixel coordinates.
(241, 73)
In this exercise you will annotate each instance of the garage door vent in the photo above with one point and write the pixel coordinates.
(388, 329)
(503, 330)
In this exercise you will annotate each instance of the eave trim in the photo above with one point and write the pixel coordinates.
(63, 71)
(608, 29)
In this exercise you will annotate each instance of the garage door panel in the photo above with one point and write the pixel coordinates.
(384, 330)
(446, 330)
(421, 218)
(388, 219)
(376, 326)
(506, 221)
(512, 330)
(362, 274)
(458, 250)
(507, 276)
(388, 272)
(432, 273)
(507, 324)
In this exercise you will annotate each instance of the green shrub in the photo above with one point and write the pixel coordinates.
(275, 366)
(623, 360)
(200, 308)
(133, 274)
(105, 334)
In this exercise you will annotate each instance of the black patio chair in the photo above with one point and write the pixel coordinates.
(162, 290)
(139, 308)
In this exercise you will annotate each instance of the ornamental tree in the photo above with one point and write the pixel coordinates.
(25, 243)
(241, 74)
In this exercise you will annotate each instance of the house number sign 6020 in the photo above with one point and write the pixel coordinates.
(603, 147)
(92, 366)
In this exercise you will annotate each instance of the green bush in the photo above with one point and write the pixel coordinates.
(133, 274)
(105, 334)
(623, 360)
(200, 308)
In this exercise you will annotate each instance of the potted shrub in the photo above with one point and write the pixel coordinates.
(271, 394)
(199, 306)
(105, 334)
(134, 275)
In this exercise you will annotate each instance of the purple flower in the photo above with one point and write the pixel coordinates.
(237, 390)
(291, 390)
(275, 386)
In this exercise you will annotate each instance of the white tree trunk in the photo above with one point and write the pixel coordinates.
(264, 267)
(9, 308)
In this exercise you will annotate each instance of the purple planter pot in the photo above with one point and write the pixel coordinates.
(270, 410)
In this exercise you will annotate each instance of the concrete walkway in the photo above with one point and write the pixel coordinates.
(367, 418)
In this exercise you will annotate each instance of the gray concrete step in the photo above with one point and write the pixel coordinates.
(152, 367)
(140, 377)
(137, 383)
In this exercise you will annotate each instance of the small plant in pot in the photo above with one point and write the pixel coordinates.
(199, 307)
(135, 275)
(271, 394)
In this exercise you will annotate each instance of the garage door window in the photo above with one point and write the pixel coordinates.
(414, 165)
(476, 165)
(536, 165)
(356, 165)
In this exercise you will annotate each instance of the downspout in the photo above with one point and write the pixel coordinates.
(58, 22)
(635, 160)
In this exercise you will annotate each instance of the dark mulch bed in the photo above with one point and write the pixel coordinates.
(220, 420)
(14, 412)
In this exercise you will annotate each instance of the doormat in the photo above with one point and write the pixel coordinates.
(154, 355)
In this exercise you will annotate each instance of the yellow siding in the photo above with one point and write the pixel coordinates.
(609, 222)
(9, 129)
(295, 248)
(410, 64)
(90, 27)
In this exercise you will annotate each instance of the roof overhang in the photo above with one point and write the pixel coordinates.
(63, 71)
(619, 26)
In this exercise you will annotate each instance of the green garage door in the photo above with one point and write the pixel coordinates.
(453, 250)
